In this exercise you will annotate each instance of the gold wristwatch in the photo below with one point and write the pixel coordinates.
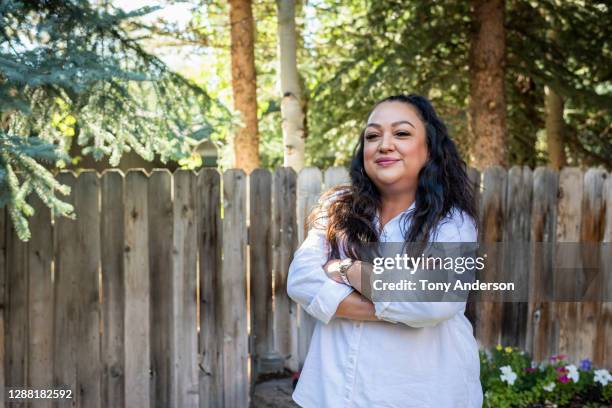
(345, 264)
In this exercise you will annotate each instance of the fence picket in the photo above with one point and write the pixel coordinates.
(265, 357)
(606, 270)
(493, 201)
(517, 216)
(308, 191)
(184, 344)
(543, 226)
(569, 214)
(233, 291)
(40, 298)
(590, 338)
(113, 290)
(3, 310)
(65, 310)
(137, 292)
(210, 245)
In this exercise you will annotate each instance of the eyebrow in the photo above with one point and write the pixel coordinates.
(392, 125)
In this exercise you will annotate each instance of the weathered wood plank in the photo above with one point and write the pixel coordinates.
(137, 292)
(591, 333)
(284, 238)
(184, 385)
(472, 303)
(210, 237)
(3, 234)
(17, 329)
(516, 269)
(40, 310)
(265, 358)
(309, 185)
(543, 226)
(569, 217)
(335, 176)
(493, 201)
(233, 291)
(160, 264)
(606, 270)
(113, 290)
(66, 308)
(89, 373)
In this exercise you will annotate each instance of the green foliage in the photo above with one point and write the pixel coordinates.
(72, 72)
(511, 379)
(362, 51)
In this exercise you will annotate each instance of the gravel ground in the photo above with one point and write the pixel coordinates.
(275, 393)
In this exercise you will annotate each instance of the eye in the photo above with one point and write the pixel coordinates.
(402, 134)
(370, 136)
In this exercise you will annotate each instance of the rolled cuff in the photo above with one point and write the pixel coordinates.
(380, 309)
(325, 303)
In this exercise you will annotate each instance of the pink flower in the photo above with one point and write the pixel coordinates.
(561, 369)
(564, 378)
(556, 357)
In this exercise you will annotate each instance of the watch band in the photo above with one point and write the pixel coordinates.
(344, 267)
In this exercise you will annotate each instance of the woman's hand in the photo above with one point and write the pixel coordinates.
(332, 269)
(353, 274)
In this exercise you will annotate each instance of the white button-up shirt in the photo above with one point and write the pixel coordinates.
(420, 354)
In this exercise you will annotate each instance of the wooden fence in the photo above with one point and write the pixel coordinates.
(169, 290)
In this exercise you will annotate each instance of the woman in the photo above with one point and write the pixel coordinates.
(408, 184)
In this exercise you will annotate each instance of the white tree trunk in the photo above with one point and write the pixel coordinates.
(292, 111)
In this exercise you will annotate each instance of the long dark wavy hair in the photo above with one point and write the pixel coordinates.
(442, 184)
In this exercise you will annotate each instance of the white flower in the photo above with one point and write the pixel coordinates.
(602, 376)
(549, 387)
(572, 372)
(508, 375)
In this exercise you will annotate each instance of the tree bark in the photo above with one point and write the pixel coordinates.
(487, 107)
(292, 111)
(555, 128)
(244, 84)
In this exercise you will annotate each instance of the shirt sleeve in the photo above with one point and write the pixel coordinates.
(427, 314)
(308, 284)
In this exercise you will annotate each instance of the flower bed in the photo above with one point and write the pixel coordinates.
(511, 379)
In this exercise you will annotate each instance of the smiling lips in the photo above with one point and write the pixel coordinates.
(386, 161)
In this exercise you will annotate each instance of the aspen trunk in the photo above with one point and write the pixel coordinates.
(291, 105)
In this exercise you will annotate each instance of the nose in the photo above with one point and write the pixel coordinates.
(386, 143)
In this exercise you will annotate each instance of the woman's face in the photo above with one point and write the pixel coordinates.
(395, 147)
